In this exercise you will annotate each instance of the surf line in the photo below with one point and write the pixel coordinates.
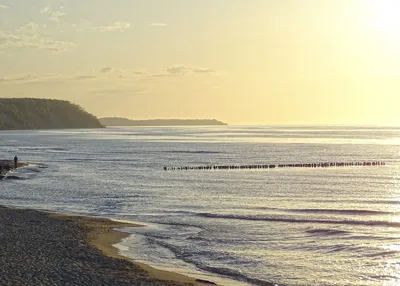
(273, 166)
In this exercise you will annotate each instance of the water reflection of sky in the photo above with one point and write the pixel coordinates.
(253, 134)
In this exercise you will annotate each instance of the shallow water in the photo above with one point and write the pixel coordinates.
(297, 226)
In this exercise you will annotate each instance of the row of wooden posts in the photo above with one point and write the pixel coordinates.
(273, 166)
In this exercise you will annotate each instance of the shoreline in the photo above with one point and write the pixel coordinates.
(105, 241)
(88, 236)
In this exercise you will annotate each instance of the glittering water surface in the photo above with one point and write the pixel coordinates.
(311, 226)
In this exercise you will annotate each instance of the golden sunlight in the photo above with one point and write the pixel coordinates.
(386, 13)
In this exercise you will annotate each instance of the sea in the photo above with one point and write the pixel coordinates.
(281, 226)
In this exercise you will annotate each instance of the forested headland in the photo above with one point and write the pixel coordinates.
(34, 113)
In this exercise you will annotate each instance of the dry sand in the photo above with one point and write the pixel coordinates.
(39, 248)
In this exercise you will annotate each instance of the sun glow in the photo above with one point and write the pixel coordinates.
(386, 13)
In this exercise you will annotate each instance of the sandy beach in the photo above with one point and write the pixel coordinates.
(40, 248)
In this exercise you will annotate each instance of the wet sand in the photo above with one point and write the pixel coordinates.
(40, 248)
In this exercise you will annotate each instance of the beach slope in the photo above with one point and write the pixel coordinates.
(39, 248)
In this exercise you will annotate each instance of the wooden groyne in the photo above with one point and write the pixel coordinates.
(274, 166)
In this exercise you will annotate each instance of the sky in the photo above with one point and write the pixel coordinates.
(238, 61)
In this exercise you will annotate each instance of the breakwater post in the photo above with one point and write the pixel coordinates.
(273, 166)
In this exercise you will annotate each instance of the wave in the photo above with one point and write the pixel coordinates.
(194, 152)
(188, 258)
(346, 246)
(372, 237)
(235, 275)
(300, 220)
(324, 231)
(42, 148)
(84, 159)
(330, 211)
(32, 169)
(170, 223)
(374, 202)
(342, 212)
(383, 253)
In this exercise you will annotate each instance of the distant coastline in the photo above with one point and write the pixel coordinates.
(120, 121)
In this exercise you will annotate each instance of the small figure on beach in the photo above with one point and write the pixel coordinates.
(15, 162)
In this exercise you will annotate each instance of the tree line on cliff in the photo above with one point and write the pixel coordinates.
(34, 113)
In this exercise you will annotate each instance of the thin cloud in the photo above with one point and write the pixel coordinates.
(157, 25)
(20, 78)
(203, 70)
(45, 10)
(116, 26)
(56, 16)
(178, 70)
(122, 90)
(184, 70)
(25, 77)
(2, 6)
(106, 69)
(29, 36)
(30, 29)
(45, 79)
(84, 77)
(140, 73)
(105, 74)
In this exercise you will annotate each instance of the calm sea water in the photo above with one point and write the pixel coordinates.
(331, 226)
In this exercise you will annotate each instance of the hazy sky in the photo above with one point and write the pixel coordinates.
(239, 61)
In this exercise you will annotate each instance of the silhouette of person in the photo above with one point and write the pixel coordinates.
(15, 162)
